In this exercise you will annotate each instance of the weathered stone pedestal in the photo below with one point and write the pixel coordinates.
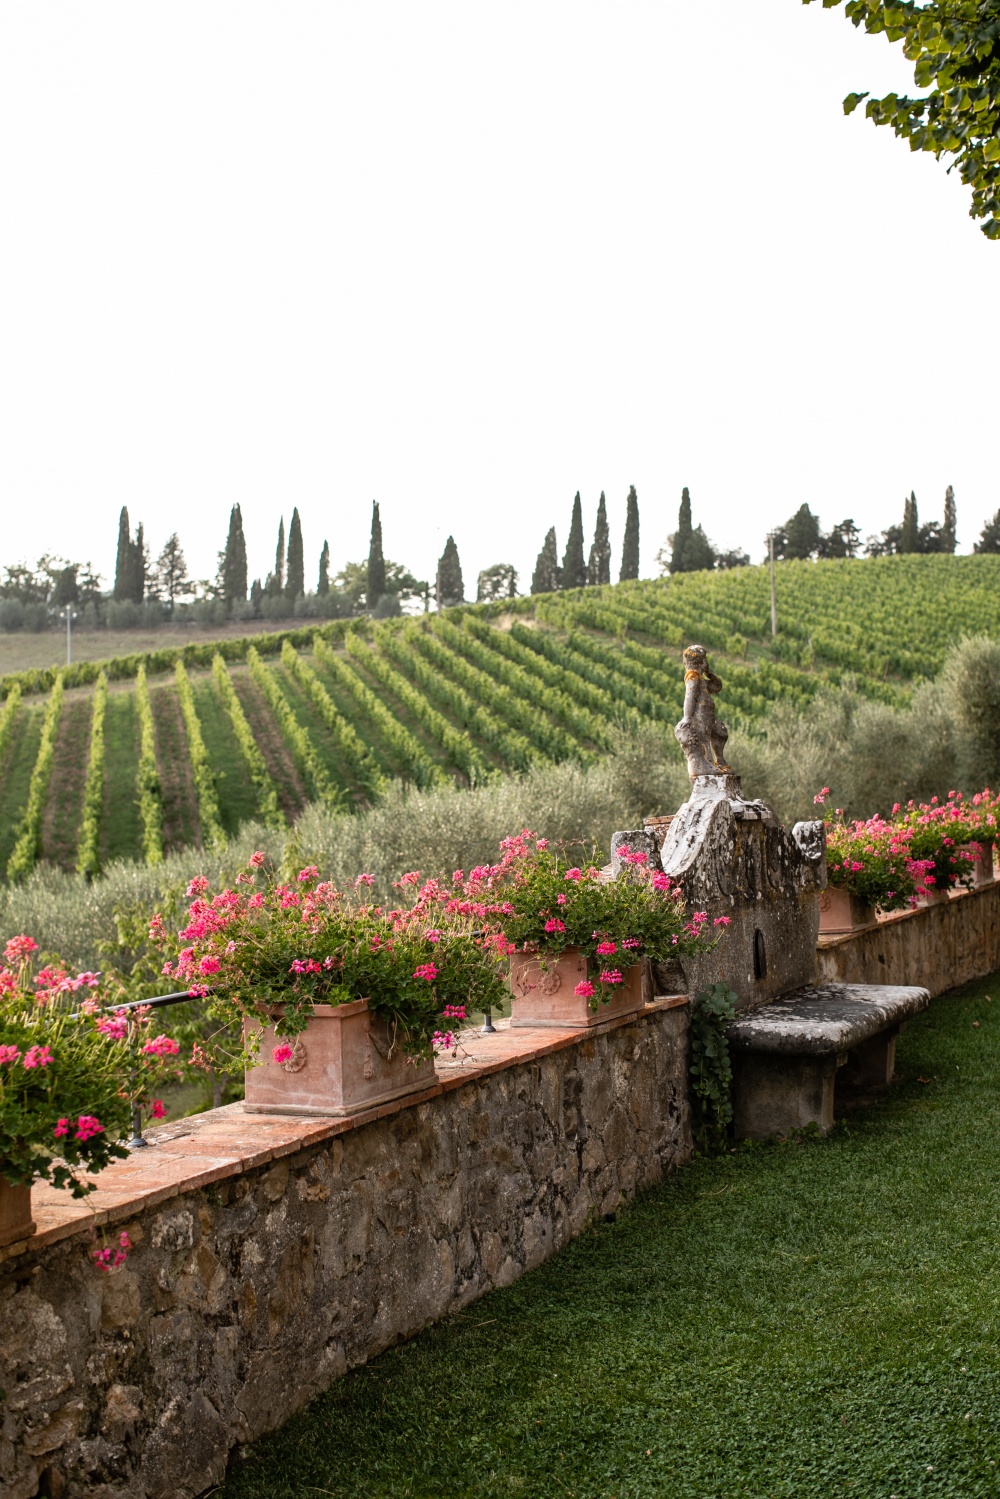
(775, 1095)
(733, 859)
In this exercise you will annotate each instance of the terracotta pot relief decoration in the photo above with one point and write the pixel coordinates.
(543, 992)
(343, 1062)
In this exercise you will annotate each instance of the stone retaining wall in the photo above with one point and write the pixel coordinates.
(272, 1254)
(937, 947)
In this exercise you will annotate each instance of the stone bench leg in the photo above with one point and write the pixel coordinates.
(870, 1065)
(775, 1094)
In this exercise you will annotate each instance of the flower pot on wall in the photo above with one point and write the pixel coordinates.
(343, 1062)
(542, 992)
(840, 912)
(983, 867)
(932, 896)
(15, 1213)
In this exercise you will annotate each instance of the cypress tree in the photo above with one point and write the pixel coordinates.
(630, 544)
(449, 587)
(233, 562)
(949, 536)
(140, 565)
(682, 535)
(323, 585)
(276, 580)
(599, 566)
(545, 578)
(376, 562)
(123, 560)
(909, 540)
(574, 569)
(296, 583)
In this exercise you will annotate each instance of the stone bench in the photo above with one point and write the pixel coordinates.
(789, 1056)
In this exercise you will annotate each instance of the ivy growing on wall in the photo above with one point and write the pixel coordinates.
(711, 1072)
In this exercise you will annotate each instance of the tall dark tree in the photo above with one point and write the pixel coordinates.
(233, 562)
(802, 534)
(546, 576)
(296, 577)
(276, 580)
(449, 588)
(140, 565)
(989, 540)
(172, 581)
(949, 530)
(123, 560)
(630, 544)
(909, 536)
(574, 568)
(323, 585)
(682, 536)
(376, 562)
(599, 566)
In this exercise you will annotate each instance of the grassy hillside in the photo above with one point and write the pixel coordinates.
(259, 727)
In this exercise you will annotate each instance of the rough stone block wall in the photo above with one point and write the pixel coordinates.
(245, 1297)
(937, 947)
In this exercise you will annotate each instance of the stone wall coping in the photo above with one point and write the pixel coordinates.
(205, 1148)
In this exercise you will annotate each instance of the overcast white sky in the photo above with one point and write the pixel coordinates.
(466, 259)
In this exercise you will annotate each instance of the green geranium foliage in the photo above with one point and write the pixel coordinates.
(711, 1071)
(955, 48)
(62, 1107)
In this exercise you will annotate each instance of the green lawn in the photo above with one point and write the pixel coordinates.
(810, 1321)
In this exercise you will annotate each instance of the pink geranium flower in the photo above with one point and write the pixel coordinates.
(161, 1046)
(19, 948)
(38, 1056)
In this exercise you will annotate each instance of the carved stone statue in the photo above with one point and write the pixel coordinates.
(700, 734)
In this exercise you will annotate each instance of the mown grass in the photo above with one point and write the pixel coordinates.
(64, 802)
(237, 794)
(121, 829)
(810, 1321)
(19, 762)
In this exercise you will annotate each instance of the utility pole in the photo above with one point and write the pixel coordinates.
(70, 616)
(774, 600)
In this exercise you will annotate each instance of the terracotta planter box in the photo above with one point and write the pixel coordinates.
(543, 996)
(983, 867)
(840, 911)
(933, 897)
(15, 1213)
(340, 1065)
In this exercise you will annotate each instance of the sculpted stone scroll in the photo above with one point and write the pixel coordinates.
(701, 735)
